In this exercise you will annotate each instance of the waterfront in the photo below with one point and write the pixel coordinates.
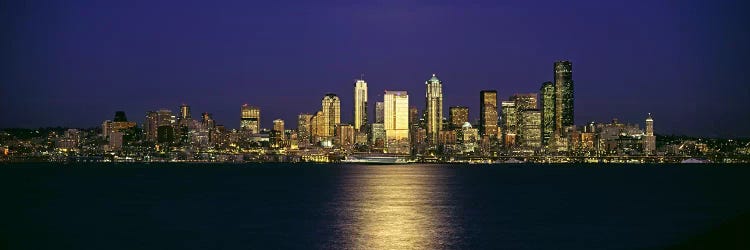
(513, 206)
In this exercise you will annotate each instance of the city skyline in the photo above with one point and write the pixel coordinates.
(65, 69)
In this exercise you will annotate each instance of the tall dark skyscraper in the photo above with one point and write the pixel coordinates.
(563, 95)
(488, 113)
(548, 111)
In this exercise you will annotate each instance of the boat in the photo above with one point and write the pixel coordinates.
(375, 159)
(695, 160)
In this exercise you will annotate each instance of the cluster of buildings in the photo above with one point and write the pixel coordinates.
(535, 127)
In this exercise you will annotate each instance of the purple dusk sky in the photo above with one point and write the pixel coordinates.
(74, 63)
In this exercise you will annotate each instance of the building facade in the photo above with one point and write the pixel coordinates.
(360, 105)
(250, 119)
(548, 111)
(488, 113)
(564, 95)
(433, 108)
(396, 123)
(331, 114)
(458, 115)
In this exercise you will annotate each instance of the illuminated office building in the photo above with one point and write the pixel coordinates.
(530, 134)
(277, 134)
(525, 101)
(433, 108)
(331, 107)
(488, 113)
(458, 115)
(185, 112)
(510, 122)
(278, 125)
(396, 122)
(649, 140)
(345, 136)
(151, 125)
(250, 119)
(563, 96)
(360, 105)
(548, 111)
(207, 120)
(304, 129)
(379, 112)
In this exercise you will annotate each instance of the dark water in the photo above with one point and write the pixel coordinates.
(366, 207)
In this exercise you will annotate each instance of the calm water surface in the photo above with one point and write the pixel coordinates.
(306, 206)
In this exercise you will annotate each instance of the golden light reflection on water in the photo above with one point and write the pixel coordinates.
(395, 208)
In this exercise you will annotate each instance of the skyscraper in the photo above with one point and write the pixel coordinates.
(530, 129)
(303, 129)
(151, 125)
(277, 134)
(250, 119)
(434, 108)
(548, 111)
(207, 120)
(649, 140)
(458, 115)
(563, 96)
(317, 127)
(413, 116)
(510, 123)
(184, 112)
(525, 101)
(331, 113)
(396, 124)
(360, 105)
(488, 113)
(379, 112)
(278, 125)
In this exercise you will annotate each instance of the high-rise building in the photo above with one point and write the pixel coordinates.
(278, 125)
(303, 129)
(488, 113)
(525, 101)
(379, 107)
(250, 119)
(185, 112)
(548, 111)
(413, 116)
(345, 136)
(360, 105)
(510, 122)
(530, 134)
(151, 125)
(434, 108)
(317, 125)
(563, 96)
(458, 115)
(276, 136)
(207, 120)
(332, 113)
(165, 117)
(468, 137)
(649, 140)
(396, 124)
